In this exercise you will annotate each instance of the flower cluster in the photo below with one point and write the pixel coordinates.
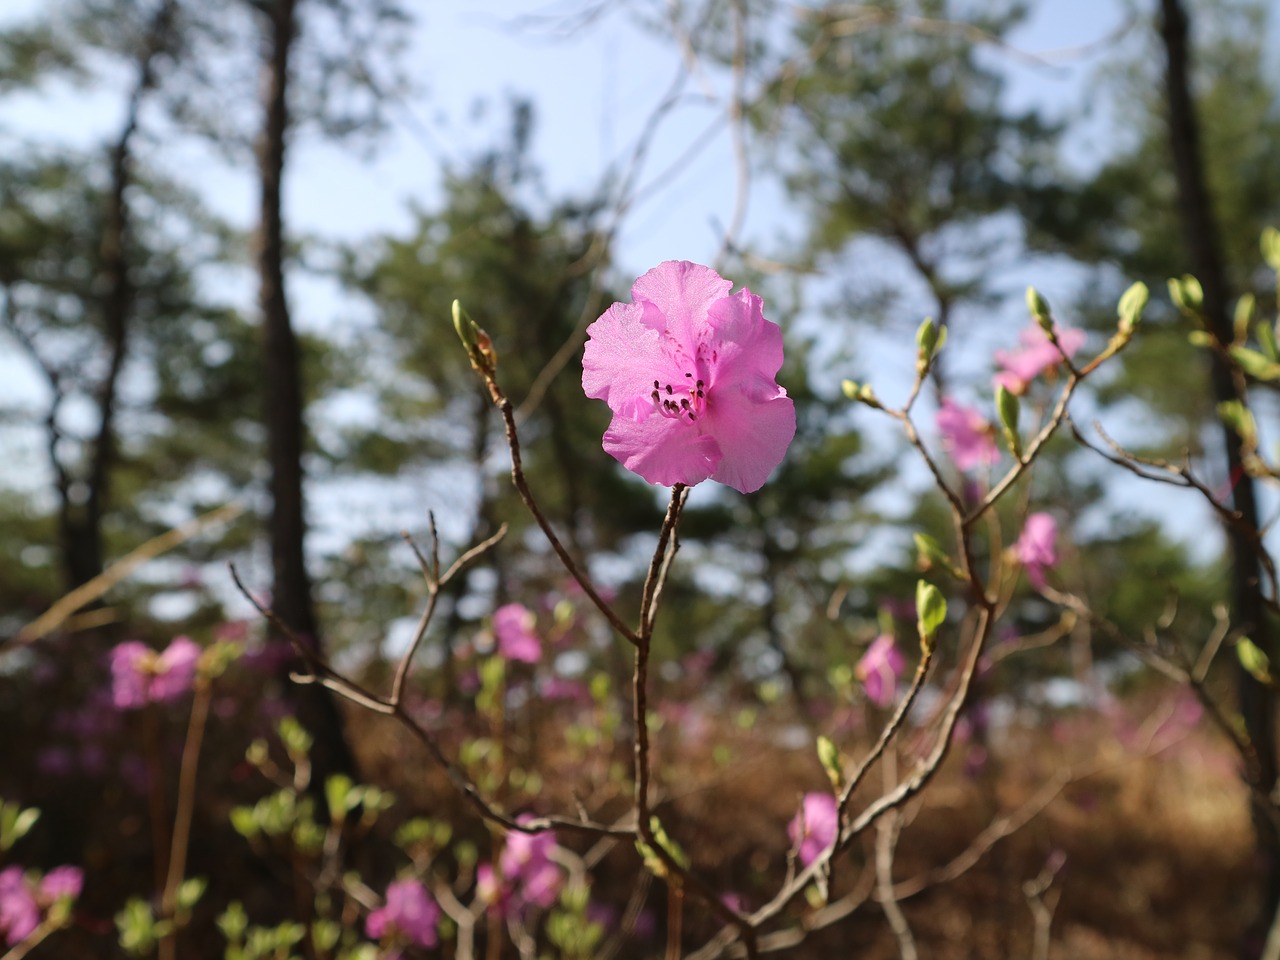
(879, 670)
(140, 676)
(966, 436)
(514, 635)
(1036, 355)
(1036, 548)
(690, 375)
(814, 828)
(408, 917)
(23, 902)
(527, 874)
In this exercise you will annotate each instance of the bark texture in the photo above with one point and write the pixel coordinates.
(283, 401)
(1204, 252)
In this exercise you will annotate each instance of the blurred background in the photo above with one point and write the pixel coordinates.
(230, 235)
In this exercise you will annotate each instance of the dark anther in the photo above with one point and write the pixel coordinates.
(689, 375)
(699, 394)
(668, 389)
(700, 383)
(656, 385)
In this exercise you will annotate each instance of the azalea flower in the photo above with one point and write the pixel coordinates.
(966, 435)
(140, 676)
(879, 670)
(1038, 354)
(1036, 548)
(513, 630)
(409, 916)
(23, 901)
(19, 912)
(690, 375)
(530, 874)
(814, 828)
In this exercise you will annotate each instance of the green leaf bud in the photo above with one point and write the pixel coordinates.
(1132, 302)
(1039, 308)
(931, 611)
(1008, 408)
(1271, 248)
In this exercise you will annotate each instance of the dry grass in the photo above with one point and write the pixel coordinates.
(1154, 835)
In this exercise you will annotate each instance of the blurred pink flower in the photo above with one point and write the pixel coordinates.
(62, 882)
(1037, 354)
(140, 676)
(530, 875)
(814, 828)
(19, 912)
(690, 375)
(966, 436)
(1036, 548)
(513, 626)
(409, 916)
(879, 670)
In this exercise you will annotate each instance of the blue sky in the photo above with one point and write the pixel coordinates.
(594, 89)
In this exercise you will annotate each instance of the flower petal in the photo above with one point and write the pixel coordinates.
(753, 436)
(683, 292)
(662, 450)
(747, 347)
(623, 357)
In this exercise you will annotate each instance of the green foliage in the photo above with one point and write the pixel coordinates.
(16, 822)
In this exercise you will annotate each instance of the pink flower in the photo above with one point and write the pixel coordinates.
(879, 670)
(1038, 354)
(19, 912)
(1036, 548)
(531, 876)
(690, 375)
(409, 916)
(814, 828)
(62, 882)
(966, 435)
(140, 676)
(513, 629)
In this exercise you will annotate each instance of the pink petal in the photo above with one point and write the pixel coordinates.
(748, 348)
(622, 358)
(753, 436)
(128, 674)
(662, 450)
(175, 670)
(683, 292)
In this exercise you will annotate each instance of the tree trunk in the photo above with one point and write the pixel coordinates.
(1257, 704)
(81, 508)
(282, 396)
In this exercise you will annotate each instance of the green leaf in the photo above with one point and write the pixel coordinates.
(233, 921)
(829, 757)
(1039, 308)
(931, 611)
(295, 738)
(927, 344)
(190, 891)
(1186, 293)
(1132, 302)
(337, 793)
(1008, 409)
(1246, 307)
(929, 554)
(137, 927)
(1255, 364)
(1254, 661)
(1271, 248)
(1240, 419)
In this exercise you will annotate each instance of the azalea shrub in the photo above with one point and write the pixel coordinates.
(538, 803)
